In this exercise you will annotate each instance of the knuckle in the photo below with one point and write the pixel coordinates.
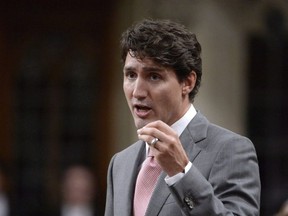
(157, 123)
(172, 141)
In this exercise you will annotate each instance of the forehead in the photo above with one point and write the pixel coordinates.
(144, 64)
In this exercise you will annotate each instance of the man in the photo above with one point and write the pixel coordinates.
(205, 169)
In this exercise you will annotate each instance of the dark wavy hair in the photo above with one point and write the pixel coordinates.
(167, 43)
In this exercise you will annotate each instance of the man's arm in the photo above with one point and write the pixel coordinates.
(232, 186)
(109, 209)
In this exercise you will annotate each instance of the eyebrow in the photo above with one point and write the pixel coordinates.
(153, 68)
(146, 68)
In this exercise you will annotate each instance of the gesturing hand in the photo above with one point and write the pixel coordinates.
(168, 151)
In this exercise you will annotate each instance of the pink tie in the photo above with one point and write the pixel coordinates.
(145, 184)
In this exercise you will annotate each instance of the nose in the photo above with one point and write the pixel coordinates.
(140, 89)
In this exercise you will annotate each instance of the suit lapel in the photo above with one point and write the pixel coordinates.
(195, 132)
(191, 139)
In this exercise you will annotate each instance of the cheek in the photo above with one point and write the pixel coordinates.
(170, 100)
(127, 90)
(166, 101)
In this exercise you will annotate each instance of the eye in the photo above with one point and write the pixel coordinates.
(155, 77)
(130, 75)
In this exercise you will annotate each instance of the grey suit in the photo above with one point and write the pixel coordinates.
(224, 178)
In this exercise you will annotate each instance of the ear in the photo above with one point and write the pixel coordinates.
(189, 83)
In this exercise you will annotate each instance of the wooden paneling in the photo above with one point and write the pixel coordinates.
(58, 37)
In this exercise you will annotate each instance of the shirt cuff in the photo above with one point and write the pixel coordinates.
(173, 179)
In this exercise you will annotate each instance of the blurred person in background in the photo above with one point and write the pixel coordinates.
(4, 201)
(191, 166)
(78, 192)
(283, 211)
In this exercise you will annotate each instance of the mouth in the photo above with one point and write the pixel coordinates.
(142, 111)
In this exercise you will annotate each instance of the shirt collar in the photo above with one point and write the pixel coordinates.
(182, 123)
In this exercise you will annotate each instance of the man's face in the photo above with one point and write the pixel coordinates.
(153, 92)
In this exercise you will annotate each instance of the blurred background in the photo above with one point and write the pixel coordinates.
(62, 106)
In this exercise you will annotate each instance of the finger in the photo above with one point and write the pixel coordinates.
(159, 145)
(149, 135)
(146, 138)
(151, 141)
(154, 141)
(160, 125)
(154, 151)
(157, 132)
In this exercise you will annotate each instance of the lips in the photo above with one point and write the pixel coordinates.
(142, 111)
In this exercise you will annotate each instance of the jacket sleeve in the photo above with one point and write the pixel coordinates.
(231, 187)
(109, 207)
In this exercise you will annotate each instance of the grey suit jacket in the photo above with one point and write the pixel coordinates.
(224, 178)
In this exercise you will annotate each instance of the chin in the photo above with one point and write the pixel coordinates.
(141, 123)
